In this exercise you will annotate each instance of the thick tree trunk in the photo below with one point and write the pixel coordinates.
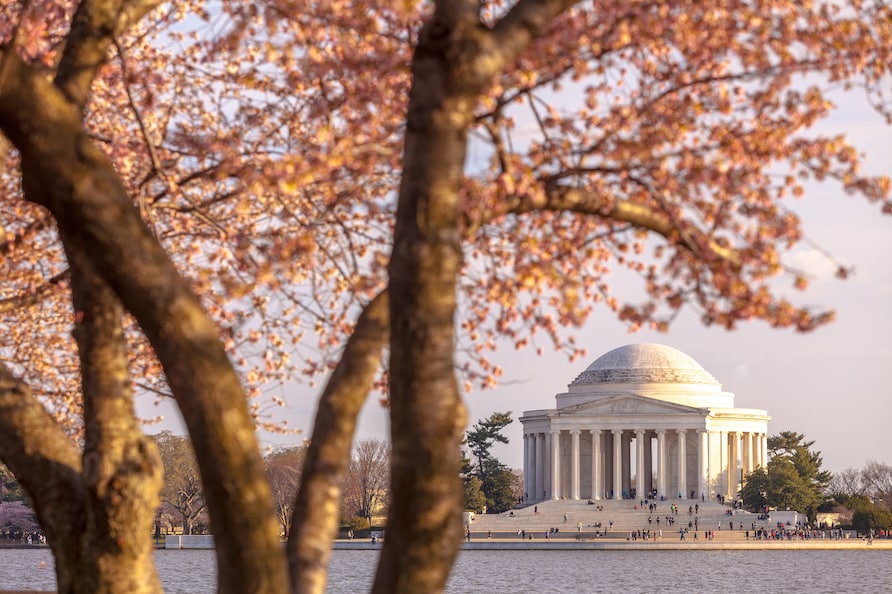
(427, 414)
(64, 172)
(121, 466)
(456, 57)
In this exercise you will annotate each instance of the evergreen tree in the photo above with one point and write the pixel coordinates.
(754, 492)
(475, 500)
(868, 516)
(497, 482)
(484, 435)
(793, 480)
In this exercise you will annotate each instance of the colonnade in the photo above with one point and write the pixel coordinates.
(596, 463)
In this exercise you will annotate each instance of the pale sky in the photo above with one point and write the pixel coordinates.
(833, 384)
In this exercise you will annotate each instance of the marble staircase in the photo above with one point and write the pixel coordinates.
(575, 519)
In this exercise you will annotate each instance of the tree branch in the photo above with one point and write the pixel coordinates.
(93, 29)
(30, 298)
(63, 171)
(46, 463)
(563, 198)
(526, 21)
(316, 507)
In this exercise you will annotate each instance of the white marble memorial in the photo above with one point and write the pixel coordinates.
(642, 418)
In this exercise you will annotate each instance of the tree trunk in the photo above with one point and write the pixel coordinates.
(48, 466)
(456, 57)
(93, 211)
(427, 414)
(121, 466)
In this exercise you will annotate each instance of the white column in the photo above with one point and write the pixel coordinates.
(540, 467)
(764, 450)
(639, 464)
(627, 461)
(748, 450)
(648, 465)
(734, 464)
(597, 471)
(555, 464)
(682, 463)
(723, 462)
(526, 465)
(548, 487)
(574, 464)
(617, 463)
(703, 460)
(757, 453)
(662, 467)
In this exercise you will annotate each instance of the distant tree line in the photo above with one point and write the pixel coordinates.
(16, 516)
(184, 508)
(794, 480)
(866, 493)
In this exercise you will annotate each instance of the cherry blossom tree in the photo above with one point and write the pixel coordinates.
(16, 517)
(220, 197)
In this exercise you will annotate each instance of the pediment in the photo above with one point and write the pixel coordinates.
(629, 404)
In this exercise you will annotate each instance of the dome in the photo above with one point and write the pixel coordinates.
(645, 364)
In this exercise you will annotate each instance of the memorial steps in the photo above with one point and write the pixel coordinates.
(540, 518)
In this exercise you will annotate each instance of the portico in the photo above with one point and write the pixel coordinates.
(642, 420)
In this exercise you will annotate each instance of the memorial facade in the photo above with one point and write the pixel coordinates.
(642, 421)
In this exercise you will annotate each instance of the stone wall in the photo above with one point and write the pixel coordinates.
(198, 541)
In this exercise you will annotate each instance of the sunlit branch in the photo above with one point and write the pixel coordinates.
(562, 198)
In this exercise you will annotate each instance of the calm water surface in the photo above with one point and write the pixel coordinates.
(544, 572)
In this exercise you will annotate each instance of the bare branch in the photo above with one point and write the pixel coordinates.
(33, 297)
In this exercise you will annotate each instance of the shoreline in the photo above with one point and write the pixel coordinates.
(617, 544)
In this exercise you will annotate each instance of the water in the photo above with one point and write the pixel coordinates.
(545, 572)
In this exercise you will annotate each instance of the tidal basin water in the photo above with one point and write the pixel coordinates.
(543, 572)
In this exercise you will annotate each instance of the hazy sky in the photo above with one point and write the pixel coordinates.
(834, 384)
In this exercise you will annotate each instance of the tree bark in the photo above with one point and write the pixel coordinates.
(65, 173)
(456, 57)
(47, 465)
(427, 413)
(121, 466)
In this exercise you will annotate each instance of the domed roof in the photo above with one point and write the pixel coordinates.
(645, 364)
